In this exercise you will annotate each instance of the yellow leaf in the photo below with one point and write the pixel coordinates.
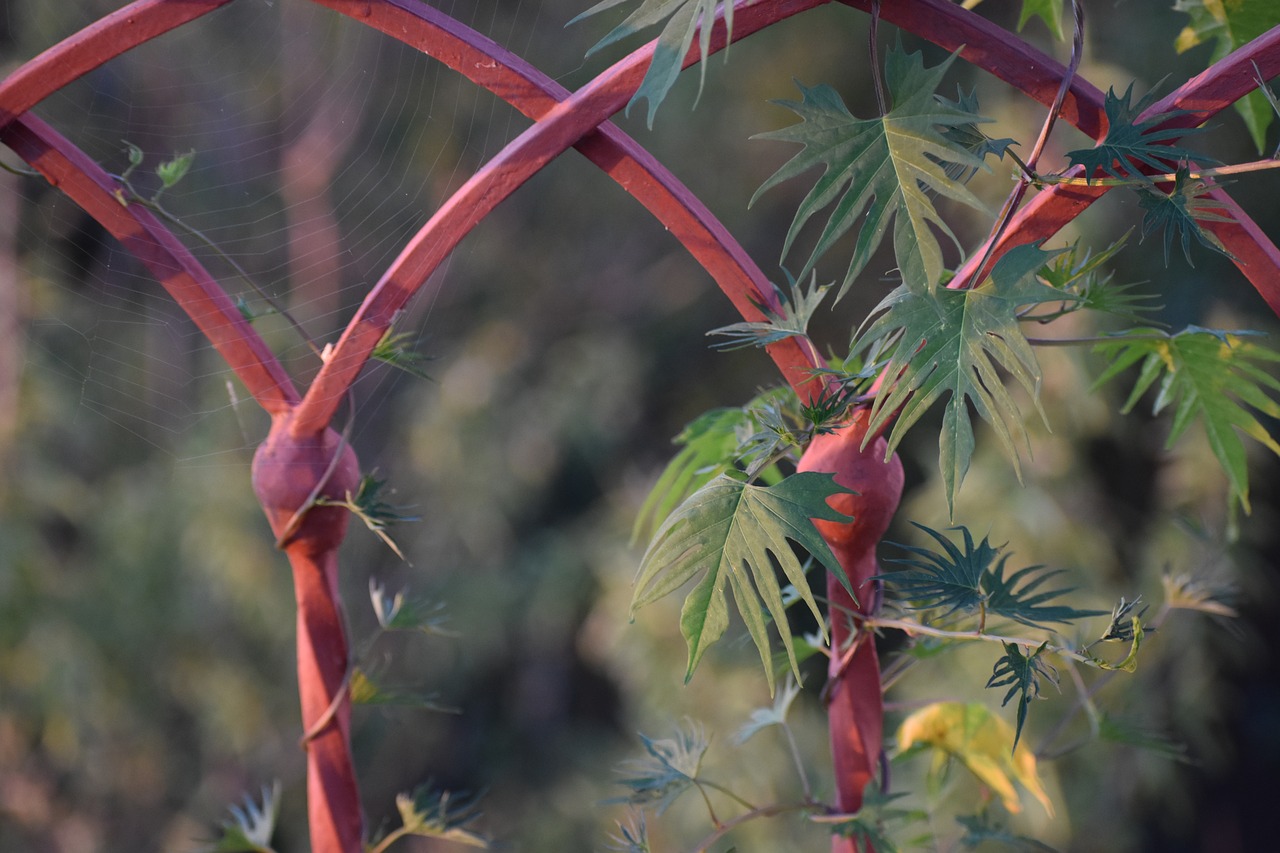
(982, 742)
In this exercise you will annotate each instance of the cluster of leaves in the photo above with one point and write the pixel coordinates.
(938, 340)
(971, 579)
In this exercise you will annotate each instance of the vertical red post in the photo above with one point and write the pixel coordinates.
(856, 705)
(286, 472)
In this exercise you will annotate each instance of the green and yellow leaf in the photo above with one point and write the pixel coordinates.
(1214, 376)
(880, 169)
(952, 343)
(733, 534)
(1228, 24)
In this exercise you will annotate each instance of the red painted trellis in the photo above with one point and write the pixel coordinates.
(300, 452)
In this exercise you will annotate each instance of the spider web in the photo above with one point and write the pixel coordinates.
(320, 147)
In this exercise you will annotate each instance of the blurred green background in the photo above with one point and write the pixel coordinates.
(146, 622)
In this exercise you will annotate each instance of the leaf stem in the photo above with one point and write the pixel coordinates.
(1098, 339)
(799, 761)
(1202, 174)
(1015, 197)
(716, 786)
(763, 811)
(873, 51)
(911, 628)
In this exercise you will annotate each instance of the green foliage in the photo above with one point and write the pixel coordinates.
(980, 831)
(430, 813)
(879, 169)
(1080, 272)
(973, 579)
(878, 824)
(1179, 212)
(970, 136)
(951, 342)
(632, 836)
(1129, 662)
(793, 321)
(400, 613)
(1228, 25)
(1131, 144)
(1130, 732)
(368, 506)
(1206, 374)
(776, 715)
(737, 534)
(365, 690)
(250, 827)
(683, 18)
(1021, 673)
(1049, 11)
(170, 172)
(670, 768)
(710, 448)
(394, 348)
(741, 442)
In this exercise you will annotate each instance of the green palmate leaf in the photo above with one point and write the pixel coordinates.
(951, 343)
(250, 827)
(877, 825)
(735, 534)
(172, 171)
(980, 832)
(710, 447)
(792, 321)
(1228, 24)
(969, 136)
(879, 169)
(1021, 673)
(1081, 273)
(632, 836)
(1208, 374)
(1179, 212)
(1135, 733)
(670, 768)
(1131, 144)
(1129, 663)
(684, 18)
(763, 718)
(429, 813)
(1120, 628)
(394, 348)
(1049, 11)
(365, 691)
(399, 613)
(973, 578)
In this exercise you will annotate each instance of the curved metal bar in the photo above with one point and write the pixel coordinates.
(564, 121)
(69, 169)
(86, 183)
(91, 47)
(1203, 97)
